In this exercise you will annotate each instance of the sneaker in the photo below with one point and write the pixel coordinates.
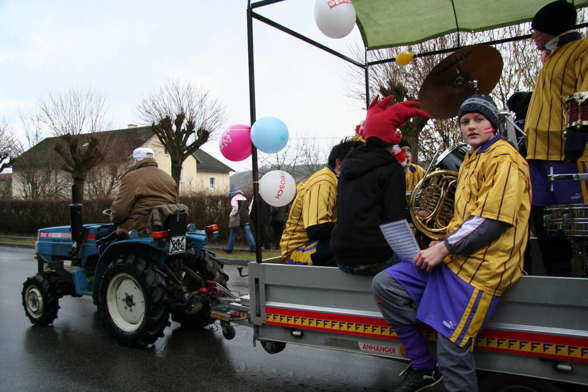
(415, 380)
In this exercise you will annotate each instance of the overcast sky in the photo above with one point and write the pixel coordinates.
(125, 50)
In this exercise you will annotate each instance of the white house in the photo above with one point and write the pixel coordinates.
(37, 172)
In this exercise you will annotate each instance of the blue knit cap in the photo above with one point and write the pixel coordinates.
(482, 104)
(235, 192)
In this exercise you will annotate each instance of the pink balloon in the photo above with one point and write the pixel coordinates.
(235, 142)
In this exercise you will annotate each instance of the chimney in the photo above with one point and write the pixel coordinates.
(132, 126)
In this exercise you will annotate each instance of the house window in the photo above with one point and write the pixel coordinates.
(212, 183)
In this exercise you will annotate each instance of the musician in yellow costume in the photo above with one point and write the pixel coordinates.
(307, 232)
(454, 285)
(413, 173)
(549, 150)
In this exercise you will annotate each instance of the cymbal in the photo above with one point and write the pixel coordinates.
(471, 70)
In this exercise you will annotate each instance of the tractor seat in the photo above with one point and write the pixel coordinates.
(168, 217)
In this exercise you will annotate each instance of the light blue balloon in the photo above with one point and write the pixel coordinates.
(269, 134)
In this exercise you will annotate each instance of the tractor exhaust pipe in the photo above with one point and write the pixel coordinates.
(75, 211)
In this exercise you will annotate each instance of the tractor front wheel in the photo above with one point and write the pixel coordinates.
(133, 302)
(40, 301)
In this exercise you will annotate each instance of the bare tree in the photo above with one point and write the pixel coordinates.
(10, 147)
(522, 63)
(301, 158)
(404, 83)
(33, 127)
(5, 187)
(183, 118)
(104, 179)
(72, 117)
(35, 173)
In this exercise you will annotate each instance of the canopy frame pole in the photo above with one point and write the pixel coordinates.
(456, 23)
(305, 39)
(263, 3)
(252, 119)
(252, 99)
(366, 71)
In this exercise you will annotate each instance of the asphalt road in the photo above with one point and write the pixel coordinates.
(76, 354)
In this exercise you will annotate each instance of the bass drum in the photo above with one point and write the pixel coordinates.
(431, 202)
(577, 111)
(452, 158)
(570, 220)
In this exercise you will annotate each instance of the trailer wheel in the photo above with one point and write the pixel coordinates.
(508, 383)
(133, 301)
(228, 330)
(273, 347)
(40, 301)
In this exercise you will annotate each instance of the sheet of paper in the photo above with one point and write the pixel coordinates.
(401, 239)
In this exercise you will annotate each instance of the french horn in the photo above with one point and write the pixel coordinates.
(431, 201)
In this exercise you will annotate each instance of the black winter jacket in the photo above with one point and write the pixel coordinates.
(372, 191)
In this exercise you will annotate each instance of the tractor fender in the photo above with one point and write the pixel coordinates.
(146, 248)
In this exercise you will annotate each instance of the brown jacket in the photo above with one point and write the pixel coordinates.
(142, 188)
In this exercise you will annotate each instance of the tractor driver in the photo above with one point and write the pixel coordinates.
(143, 187)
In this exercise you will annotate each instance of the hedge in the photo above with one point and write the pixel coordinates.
(27, 216)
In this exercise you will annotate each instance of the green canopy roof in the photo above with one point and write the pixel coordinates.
(389, 23)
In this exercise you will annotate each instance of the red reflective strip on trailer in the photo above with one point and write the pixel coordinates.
(540, 355)
(533, 336)
(511, 342)
(354, 333)
(330, 316)
(534, 344)
(329, 322)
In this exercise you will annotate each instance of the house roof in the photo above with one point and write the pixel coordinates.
(207, 163)
(120, 144)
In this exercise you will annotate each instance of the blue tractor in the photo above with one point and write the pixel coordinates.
(136, 283)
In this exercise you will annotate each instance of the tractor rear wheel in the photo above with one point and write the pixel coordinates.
(133, 301)
(40, 301)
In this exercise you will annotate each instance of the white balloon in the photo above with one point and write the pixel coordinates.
(335, 18)
(277, 188)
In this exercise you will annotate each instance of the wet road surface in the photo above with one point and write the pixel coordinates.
(76, 354)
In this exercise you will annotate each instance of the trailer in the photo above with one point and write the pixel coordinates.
(537, 339)
(539, 331)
